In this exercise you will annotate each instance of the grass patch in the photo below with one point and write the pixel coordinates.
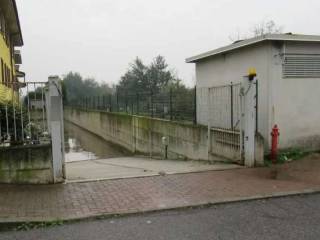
(287, 155)
(29, 226)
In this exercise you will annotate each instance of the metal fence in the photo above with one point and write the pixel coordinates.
(23, 120)
(224, 121)
(176, 105)
(224, 106)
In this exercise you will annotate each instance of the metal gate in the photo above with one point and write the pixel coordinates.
(224, 122)
(226, 117)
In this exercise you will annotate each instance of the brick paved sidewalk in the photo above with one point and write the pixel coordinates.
(81, 200)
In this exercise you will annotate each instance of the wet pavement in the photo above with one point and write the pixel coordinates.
(20, 203)
(91, 158)
(292, 218)
(129, 167)
(81, 145)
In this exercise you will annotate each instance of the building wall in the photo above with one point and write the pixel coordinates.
(295, 106)
(292, 103)
(231, 67)
(6, 92)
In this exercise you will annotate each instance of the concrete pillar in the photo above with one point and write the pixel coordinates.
(55, 126)
(249, 120)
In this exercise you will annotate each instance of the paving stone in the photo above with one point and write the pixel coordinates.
(81, 200)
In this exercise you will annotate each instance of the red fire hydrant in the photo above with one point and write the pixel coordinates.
(274, 143)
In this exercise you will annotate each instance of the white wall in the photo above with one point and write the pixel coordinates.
(292, 103)
(296, 102)
(37, 104)
(231, 67)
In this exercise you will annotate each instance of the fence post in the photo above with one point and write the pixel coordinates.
(249, 120)
(132, 103)
(151, 102)
(126, 100)
(54, 106)
(170, 103)
(117, 96)
(195, 106)
(257, 105)
(209, 140)
(110, 102)
(137, 103)
(231, 114)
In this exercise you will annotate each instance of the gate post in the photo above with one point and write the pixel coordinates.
(209, 139)
(55, 127)
(249, 117)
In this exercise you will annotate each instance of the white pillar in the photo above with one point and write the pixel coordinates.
(249, 120)
(55, 110)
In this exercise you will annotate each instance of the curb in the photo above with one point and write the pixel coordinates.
(9, 225)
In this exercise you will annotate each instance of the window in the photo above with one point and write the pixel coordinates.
(2, 72)
(1, 22)
(2, 25)
(301, 66)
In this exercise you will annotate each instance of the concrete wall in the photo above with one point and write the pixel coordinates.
(142, 134)
(26, 164)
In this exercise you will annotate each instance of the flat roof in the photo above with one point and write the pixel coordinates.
(9, 7)
(255, 40)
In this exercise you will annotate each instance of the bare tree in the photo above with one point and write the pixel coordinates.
(237, 36)
(264, 27)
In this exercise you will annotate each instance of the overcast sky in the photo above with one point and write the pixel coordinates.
(99, 38)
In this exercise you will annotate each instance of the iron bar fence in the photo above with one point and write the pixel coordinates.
(174, 104)
(23, 118)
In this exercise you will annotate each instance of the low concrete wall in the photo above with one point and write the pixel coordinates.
(26, 164)
(144, 135)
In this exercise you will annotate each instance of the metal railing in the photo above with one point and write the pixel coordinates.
(24, 119)
(175, 105)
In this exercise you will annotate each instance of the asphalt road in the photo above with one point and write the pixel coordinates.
(283, 218)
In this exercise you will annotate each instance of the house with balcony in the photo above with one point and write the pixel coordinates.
(11, 78)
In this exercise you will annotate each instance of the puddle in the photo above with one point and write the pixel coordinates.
(81, 145)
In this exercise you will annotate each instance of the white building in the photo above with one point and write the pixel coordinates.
(288, 69)
(37, 104)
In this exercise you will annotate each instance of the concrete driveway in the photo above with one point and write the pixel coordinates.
(129, 167)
